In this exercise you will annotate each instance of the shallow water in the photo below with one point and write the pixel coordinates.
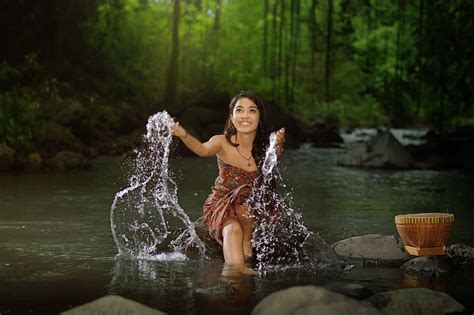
(57, 251)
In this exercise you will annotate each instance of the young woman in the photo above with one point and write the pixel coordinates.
(240, 151)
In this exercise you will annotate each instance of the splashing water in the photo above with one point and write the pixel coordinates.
(140, 214)
(280, 236)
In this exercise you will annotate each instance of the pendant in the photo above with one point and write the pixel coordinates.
(249, 164)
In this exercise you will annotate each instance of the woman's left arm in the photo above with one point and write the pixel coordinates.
(280, 141)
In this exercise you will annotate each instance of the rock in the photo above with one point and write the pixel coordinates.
(353, 290)
(323, 136)
(310, 300)
(429, 265)
(54, 138)
(381, 151)
(372, 248)
(419, 301)
(33, 162)
(217, 291)
(69, 160)
(461, 255)
(213, 249)
(112, 304)
(7, 157)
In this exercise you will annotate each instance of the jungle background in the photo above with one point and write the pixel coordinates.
(83, 76)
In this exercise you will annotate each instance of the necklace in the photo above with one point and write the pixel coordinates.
(247, 159)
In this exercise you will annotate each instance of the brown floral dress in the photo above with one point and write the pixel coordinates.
(231, 188)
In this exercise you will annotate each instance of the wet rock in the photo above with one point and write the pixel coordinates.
(112, 304)
(353, 290)
(371, 249)
(381, 151)
(219, 291)
(418, 301)
(54, 138)
(428, 265)
(7, 157)
(213, 249)
(310, 300)
(32, 162)
(69, 160)
(461, 255)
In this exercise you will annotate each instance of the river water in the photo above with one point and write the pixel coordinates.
(57, 250)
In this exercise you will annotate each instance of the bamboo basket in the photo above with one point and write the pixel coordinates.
(425, 234)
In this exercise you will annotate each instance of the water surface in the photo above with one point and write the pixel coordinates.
(57, 251)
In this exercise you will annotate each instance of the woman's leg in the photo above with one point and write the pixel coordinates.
(247, 226)
(233, 236)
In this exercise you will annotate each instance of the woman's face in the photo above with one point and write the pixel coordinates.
(245, 116)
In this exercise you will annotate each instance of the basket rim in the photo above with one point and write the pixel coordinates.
(424, 218)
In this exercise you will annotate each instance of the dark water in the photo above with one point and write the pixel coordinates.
(57, 251)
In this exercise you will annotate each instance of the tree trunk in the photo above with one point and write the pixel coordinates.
(313, 33)
(418, 57)
(265, 39)
(171, 83)
(327, 68)
(295, 51)
(274, 61)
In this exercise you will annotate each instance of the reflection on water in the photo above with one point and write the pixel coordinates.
(57, 251)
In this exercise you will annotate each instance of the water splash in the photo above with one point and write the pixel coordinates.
(146, 218)
(280, 237)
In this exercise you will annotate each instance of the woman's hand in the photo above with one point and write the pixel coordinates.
(280, 141)
(178, 131)
(280, 136)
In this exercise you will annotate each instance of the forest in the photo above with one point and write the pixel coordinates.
(94, 69)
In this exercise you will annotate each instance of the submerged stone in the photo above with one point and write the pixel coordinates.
(461, 255)
(418, 301)
(112, 304)
(310, 299)
(376, 248)
(429, 265)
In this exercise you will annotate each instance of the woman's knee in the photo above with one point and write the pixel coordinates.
(232, 228)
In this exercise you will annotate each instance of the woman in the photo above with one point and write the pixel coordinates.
(240, 152)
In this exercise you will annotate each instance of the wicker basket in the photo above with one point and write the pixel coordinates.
(425, 234)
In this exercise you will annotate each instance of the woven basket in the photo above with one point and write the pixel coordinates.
(425, 234)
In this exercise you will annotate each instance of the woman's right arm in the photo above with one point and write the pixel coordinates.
(209, 148)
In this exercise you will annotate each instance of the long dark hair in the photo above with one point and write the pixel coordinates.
(261, 138)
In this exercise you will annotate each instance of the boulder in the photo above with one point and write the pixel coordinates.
(112, 304)
(54, 138)
(461, 255)
(310, 300)
(419, 301)
(427, 265)
(353, 290)
(7, 157)
(69, 160)
(372, 248)
(381, 151)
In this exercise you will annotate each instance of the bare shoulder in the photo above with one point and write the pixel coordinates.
(218, 139)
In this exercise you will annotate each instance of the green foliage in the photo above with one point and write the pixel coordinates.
(364, 62)
(22, 91)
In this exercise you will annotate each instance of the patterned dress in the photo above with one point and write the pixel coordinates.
(231, 188)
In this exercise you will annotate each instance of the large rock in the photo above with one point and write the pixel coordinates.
(427, 265)
(7, 157)
(310, 300)
(461, 255)
(382, 249)
(419, 301)
(69, 160)
(54, 138)
(113, 305)
(381, 151)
